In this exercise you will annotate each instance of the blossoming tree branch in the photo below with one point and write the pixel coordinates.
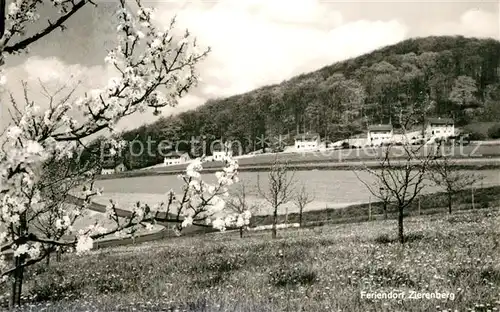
(154, 70)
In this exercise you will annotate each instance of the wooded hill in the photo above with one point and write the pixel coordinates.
(455, 76)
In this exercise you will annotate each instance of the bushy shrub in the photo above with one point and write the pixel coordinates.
(384, 239)
(494, 131)
(54, 290)
(476, 136)
(293, 276)
(388, 239)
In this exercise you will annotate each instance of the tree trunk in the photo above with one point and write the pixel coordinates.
(241, 232)
(300, 216)
(473, 198)
(13, 292)
(2, 16)
(17, 283)
(449, 203)
(20, 278)
(385, 210)
(275, 222)
(400, 227)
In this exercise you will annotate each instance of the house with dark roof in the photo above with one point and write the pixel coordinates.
(175, 158)
(439, 128)
(378, 134)
(307, 141)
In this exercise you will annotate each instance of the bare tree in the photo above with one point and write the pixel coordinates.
(280, 189)
(404, 179)
(302, 199)
(402, 170)
(378, 189)
(452, 180)
(240, 205)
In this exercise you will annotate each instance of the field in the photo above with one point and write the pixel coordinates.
(429, 204)
(313, 269)
(435, 203)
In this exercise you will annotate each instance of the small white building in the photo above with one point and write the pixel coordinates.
(307, 141)
(379, 134)
(437, 128)
(220, 155)
(105, 171)
(175, 158)
(111, 169)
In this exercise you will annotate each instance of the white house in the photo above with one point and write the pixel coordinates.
(220, 155)
(111, 169)
(439, 128)
(106, 171)
(307, 141)
(378, 134)
(175, 158)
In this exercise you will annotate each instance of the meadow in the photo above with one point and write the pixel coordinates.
(323, 268)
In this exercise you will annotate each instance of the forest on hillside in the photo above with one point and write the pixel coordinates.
(445, 76)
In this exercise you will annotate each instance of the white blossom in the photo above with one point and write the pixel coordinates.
(21, 250)
(219, 224)
(187, 222)
(63, 223)
(13, 8)
(34, 250)
(14, 132)
(3, 237)
(84, 244)
(142, 74)
(240, 221)
(3, 79)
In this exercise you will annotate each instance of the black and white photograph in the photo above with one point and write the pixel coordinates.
(249, 155)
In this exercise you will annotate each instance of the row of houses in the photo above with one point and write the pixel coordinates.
(176, 158)
(435, 128)
(170, 159)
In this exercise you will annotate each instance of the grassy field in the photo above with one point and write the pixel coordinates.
(312, 269)
(429, 204)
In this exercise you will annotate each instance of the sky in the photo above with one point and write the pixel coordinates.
(254, 42)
